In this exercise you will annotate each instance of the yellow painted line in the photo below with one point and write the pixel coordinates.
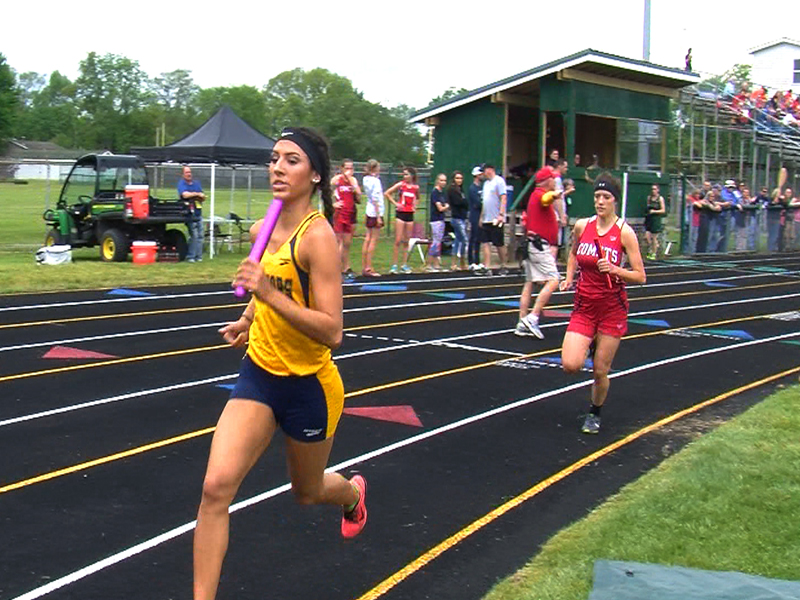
(200, 432)
(432, 554)
(106, 459)
(395, 384)
(432, 319)
(108, 363)
(365, 327)
(147, 313)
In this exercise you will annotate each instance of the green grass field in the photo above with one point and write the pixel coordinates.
(22, 231)
(728, 502)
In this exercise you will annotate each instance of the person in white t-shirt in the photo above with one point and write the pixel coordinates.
(493, 217)
(373, 189)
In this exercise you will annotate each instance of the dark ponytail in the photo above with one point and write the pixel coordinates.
(324, 185)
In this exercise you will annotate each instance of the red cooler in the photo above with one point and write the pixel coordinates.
(140, 200)
(144, 252)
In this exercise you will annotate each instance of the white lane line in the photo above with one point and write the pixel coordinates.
(233, 305)
(111, 301)
(112, 399)
(363, 336)
(187, 527)
(112, 336)
(404, 345)
(476, 348)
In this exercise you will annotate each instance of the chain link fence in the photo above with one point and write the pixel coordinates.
(241, 195)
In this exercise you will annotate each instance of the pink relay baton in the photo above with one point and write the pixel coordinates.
(262, 239)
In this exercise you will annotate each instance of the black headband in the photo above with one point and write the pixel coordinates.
(611, 188)
(307, 145)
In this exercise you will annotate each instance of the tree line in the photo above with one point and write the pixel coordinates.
(114, 105)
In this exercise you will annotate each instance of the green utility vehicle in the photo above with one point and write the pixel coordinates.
(93, 209)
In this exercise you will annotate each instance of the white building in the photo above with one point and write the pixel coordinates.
(776, 65)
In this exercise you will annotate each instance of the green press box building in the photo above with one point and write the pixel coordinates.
(611, 111)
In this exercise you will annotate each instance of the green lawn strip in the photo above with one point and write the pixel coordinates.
(20, 273)
(728, 501)
(22, 232)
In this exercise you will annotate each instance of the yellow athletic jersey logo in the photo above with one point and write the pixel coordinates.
(275, 345)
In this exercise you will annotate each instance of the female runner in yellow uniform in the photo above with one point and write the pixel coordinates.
(287, 378)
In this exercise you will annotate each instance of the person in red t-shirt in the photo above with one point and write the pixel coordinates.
(405, 205)
(346, 195)
(600, 314)
(539, 264)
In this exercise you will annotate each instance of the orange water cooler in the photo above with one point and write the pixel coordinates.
(140, 200)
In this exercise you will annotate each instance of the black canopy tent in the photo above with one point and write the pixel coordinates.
(224, 139)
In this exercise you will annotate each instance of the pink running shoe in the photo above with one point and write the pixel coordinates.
(353, 522)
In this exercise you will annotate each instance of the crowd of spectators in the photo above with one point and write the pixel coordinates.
(757, 103)
(721, 212)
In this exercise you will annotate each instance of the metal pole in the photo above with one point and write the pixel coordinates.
(249, 190)
(691, 134)
(624, 194)
(703, 157)
(646, 36)
(211, 218)
(766, 173)
(741, 159)
(716, 138)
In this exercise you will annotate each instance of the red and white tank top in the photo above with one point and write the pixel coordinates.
(591, 282)
(344, 192)
(408, 196)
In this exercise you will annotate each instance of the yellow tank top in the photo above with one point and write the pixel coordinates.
(275, 345)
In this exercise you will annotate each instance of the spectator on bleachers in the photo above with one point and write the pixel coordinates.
(742, 217)
(794, 206)
(775, 221)
(693, 204)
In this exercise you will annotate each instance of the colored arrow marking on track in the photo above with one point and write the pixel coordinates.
(403, 414)
(73, 353)
(719, 284)
(514, 303)
(226, 386)
(450, 295)
(769, 269)
(734, 333)
(650, 322)
(556, 313)
(383, 288)
(127, 292)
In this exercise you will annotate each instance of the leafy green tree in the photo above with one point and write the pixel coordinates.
(448, 94)
(355, 127)
(8, 99)
(245, 100)
(112, 93)
(48, 111)
(175, 103)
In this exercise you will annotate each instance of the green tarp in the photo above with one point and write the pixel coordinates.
(614, 580)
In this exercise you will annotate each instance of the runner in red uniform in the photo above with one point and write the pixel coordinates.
(600, 314)
(405, 205)
(345, 193)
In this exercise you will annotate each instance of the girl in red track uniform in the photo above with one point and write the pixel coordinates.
(405, 205)
(346, 193)
(601, 303)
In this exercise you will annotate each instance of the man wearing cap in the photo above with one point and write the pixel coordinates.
(540, 264)
(727, 201)
(189, 189)
(475, 207)
(493, 217)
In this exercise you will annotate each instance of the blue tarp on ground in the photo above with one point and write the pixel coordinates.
(616, 580)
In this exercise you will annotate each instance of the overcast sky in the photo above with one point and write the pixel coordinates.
(395, 53)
